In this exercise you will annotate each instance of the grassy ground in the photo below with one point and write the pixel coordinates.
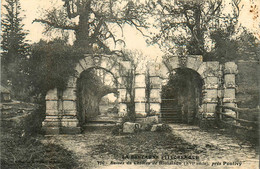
(21, 147)
(147, 143)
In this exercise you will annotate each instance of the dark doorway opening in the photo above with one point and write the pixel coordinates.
(92, 86)
(182, 97)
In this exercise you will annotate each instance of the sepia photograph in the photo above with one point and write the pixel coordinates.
(130, 84)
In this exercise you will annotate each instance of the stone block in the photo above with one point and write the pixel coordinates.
(79, 69)
(70, 130)
(210, 108)
(151, 119)
(155, 107)
(154, 68)
(147, 122)
(70, 113)
(155, 95)
(229, 100)
(122, 110)
(202, 69)
(212, 69)
(105, 63)
(157, 127)
(230, 93)
(52, 94)
(155, 82)
(69, 105)
(129, 127)
(69, 94)
(140, 80)
(194, 62)
(140, 94)
(89, 62)
(140, 107)
(230, 80)
(172, 63)
(51, 130)
(122, 95)
(211, 82)
(51, 123)
(73, 123)
(140, 114)
(51, 105)
(230, 68)
(83, 64)
(211, 93)
(164, 71)
(229, 105)
(52, 112)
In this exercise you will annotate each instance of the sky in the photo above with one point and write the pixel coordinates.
(134, 39)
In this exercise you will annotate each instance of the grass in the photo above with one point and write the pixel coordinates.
(22, 148)
(146, 142)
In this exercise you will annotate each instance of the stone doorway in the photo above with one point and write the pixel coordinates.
(182, 97)
(92, 86)
(64, 109)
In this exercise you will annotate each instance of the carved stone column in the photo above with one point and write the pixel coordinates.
(122, 99)
(69, 121)
(211, 80)
(52, 121)
(140, 97)
(229, 99)
(123, 94)
(155, 88)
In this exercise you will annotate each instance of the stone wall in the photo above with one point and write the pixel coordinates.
(247, 84)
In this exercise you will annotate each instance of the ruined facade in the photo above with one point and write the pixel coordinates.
(218, 86)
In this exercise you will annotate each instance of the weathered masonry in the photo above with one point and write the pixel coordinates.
(217, 85)
(62, 115)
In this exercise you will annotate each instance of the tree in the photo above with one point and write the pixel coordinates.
(14, 46)
(240, 47)
(185, 26)
(97, 21)
(50, 64)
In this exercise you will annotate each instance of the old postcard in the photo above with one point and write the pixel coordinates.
(130, 84)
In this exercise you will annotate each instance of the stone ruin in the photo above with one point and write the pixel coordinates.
(218, 86)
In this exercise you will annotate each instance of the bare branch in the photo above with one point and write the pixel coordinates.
(55, 25)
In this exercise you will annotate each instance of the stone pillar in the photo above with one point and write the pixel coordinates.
(140, 96)
(52, 121)
(69, 121)
(210, 96)
(210, 93)
(229, 99)
(123, 97)
(211, 80)
(155, 88)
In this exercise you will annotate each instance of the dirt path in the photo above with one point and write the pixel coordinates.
(98, 148)
(222, 147)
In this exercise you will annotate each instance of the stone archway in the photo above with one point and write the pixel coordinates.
(219, 82)
(181, 97)
(61, 106)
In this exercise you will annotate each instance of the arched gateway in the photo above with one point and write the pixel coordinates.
(62, 115)
(217, 85)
